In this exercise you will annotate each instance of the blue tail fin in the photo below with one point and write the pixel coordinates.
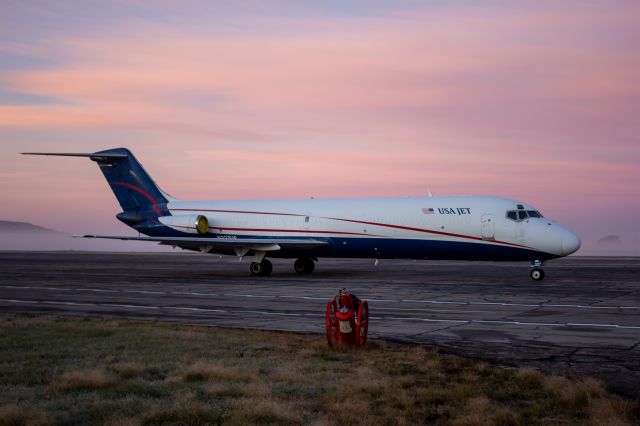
(138, 195)
(130, 183)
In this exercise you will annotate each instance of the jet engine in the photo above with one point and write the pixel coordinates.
(190, 223)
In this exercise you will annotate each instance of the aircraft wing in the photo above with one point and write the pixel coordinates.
(240, 245)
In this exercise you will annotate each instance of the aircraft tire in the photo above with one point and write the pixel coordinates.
(537, 274)
(268, 267)
(262, 269)
(310, 266)
(304, 266)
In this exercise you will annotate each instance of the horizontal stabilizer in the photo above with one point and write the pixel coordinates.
(95, 155)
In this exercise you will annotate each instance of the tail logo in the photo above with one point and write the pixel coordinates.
(154, 203)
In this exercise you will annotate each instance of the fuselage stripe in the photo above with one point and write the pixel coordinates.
(305, 231)
(428, 231)
(407, 228)
(239, 211)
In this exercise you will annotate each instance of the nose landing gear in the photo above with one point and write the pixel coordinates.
(537, 273)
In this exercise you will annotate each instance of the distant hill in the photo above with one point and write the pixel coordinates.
(8, 226)
(24, 236)
(610, 240)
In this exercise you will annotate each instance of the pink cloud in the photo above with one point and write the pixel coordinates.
(531, 102)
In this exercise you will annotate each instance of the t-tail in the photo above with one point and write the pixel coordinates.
(142, 201)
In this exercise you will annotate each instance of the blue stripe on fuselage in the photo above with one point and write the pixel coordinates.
(383, 248)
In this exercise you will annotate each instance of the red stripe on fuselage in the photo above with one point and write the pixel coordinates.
(305, 231)
(427, 231)
(239, 211)
(386, 225)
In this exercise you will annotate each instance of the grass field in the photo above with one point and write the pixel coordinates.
(87, 371)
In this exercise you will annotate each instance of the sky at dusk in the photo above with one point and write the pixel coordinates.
(538, 101)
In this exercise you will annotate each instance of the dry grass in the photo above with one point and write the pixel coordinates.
(112, 373)
(128, 370)
(13, 415)
(481, 411)
(349, 412)
(289, 376)
(235, 390)
(204, 370)
(87, 379)
(263, 411)
(606, 412)
(184, 411)
(122, 422)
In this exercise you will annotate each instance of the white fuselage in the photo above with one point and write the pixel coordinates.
(432, 227)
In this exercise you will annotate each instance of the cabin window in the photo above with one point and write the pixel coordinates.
(306, 219)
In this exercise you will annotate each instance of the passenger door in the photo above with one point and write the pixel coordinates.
(488, 227)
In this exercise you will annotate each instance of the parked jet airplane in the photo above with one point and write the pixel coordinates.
(453, 227)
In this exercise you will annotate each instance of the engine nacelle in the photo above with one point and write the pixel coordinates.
(190, 223)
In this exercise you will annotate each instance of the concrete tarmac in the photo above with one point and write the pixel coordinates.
(584, 318)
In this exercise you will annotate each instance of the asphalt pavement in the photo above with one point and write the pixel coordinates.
(584, 318)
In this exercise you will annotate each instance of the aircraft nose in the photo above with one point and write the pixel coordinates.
(570, 243)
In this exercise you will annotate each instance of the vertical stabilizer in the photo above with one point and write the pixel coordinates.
(137, 193)
(131, 184)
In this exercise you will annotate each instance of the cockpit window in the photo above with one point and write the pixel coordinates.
(520, 215)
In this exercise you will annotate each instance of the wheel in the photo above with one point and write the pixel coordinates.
(255, 268)
(310, 266)
(299, 265)
(267, 266)
(537, 274)
(304, 265)
(263, 268)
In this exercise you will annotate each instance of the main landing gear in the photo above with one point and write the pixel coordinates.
(304, 265)
(262, 268)
(537, 273)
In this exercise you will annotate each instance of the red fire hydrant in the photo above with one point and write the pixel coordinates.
(347, 320)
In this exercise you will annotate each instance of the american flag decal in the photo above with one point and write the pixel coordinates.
(427, 211)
